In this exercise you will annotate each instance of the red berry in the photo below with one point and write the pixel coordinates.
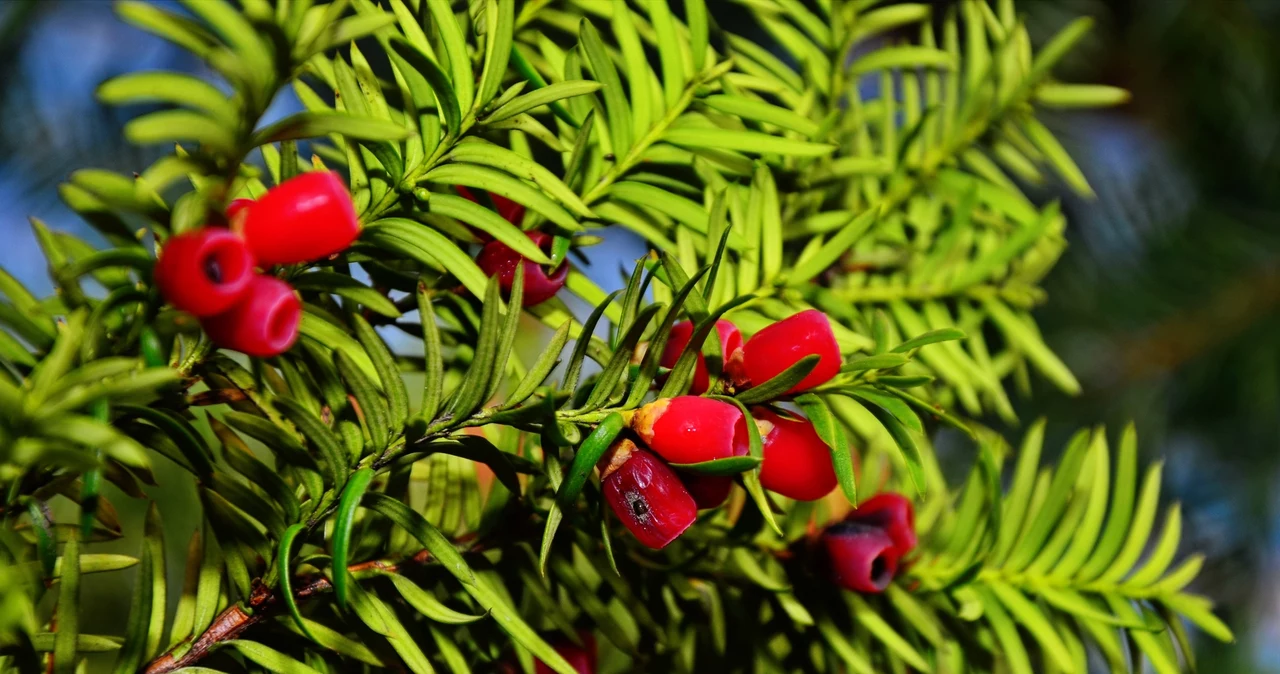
(305, 218)
(797, 463)
(786, 342)
(581, 657)
(893, 513)
(263, 324)
(508, 209)
(860, 557)
(204, 272)
(730, 352)
(708, 491)
(237, 206)
(691, 429)
(497, 258)
(646, 495)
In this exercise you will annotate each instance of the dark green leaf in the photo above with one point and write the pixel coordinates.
(284, 570)
(452, 561)
(320, 437)
(271, 659)
(350, 288)
(588, 454)
(824, 423)
(728, 466)
(781, 383)
(884, 361)
(342, 527)
(424, 75)
(304, 125)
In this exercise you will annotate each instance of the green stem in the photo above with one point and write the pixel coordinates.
(654, 135)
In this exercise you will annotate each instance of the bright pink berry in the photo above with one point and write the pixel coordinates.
(204, 272)
(497, 258)
(581, 657)
(893, 513)
(786, 342)
(263, 324)
(646, 495)
(860, 557)
(797, 463)
(305, 218)
(508, 209)
(692, 429)
(730, 352)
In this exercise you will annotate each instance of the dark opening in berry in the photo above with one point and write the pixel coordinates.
(212, 269)
(859, 557)
(264, 324)
(204, 272)
(893, 513)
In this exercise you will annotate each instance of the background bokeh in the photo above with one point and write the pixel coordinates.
(1167, 304)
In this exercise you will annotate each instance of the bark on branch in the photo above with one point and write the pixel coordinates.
(264, 603)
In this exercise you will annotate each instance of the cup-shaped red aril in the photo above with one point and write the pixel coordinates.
(509, 210)
(893, 513)
(646, 495)
(204, 272)
(787, 342)
(308, 217)
(581, 657)
(539, 286)
(691, 429)
(730, 352)
(263, 324)
(797, 463)
(859, 557)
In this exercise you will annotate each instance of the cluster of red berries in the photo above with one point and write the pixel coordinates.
(862, 551)
(498, 258)
(656, 503)
(213, 274)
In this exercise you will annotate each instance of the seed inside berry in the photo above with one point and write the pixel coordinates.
(212, 269)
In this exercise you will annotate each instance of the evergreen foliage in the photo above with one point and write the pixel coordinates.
(346, 521)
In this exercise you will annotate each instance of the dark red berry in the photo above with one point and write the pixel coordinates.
(204, 272)
(646, 495)
(305, 218)
(508, 209)
(708, 491)
(797, 463)
(263, 324)
(893, 513)
(786, 342)
(497, 258)
(730, 352)
(581, 657)
(691, 429)
(860, 557)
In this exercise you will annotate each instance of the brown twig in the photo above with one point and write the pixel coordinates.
(235, 620)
